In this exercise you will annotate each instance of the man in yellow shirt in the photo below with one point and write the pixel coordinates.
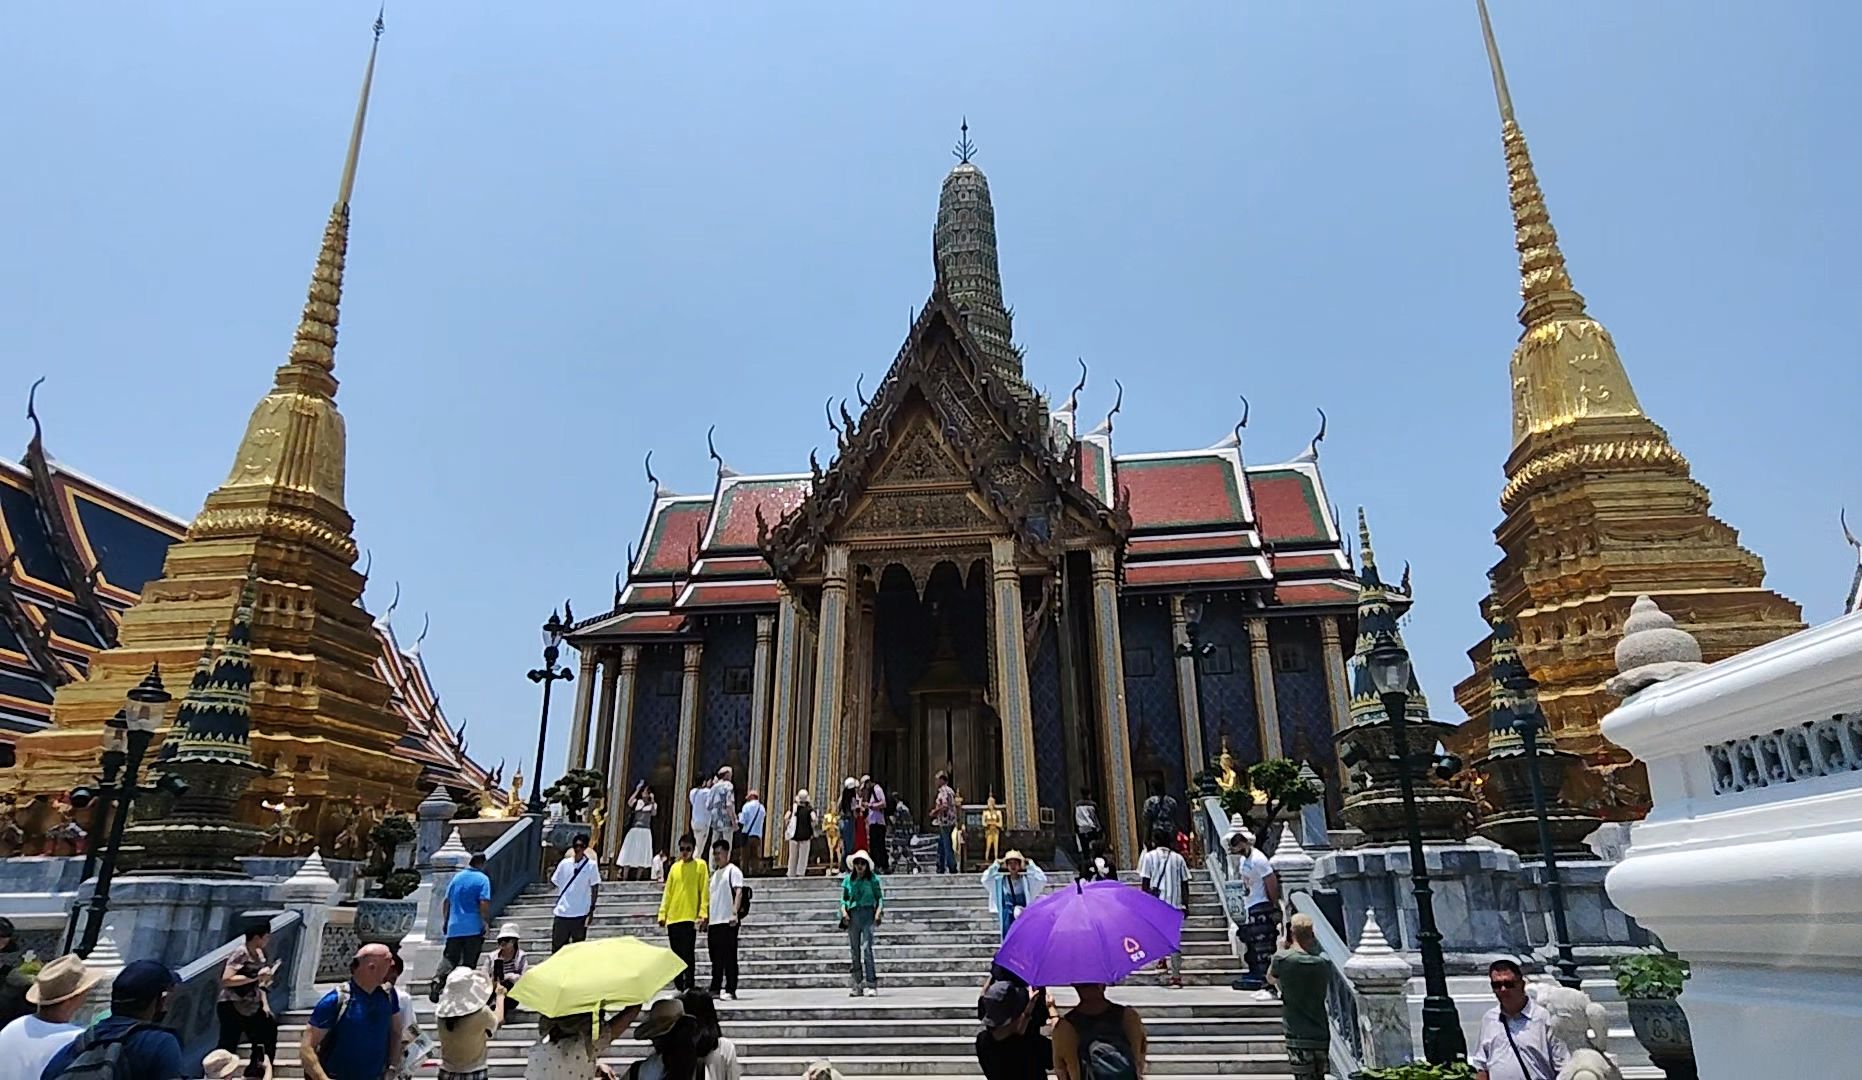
(684, 906)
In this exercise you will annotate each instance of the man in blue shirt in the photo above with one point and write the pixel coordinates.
(138, 1001)
(464, 911)
(355, 1031)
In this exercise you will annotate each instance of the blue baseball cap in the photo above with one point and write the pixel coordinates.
(143, 980)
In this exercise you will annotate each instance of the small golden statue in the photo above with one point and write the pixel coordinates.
(1230, 778)
(992, 830)
(830, 825)
(284, 835)
(957, 832)
(348, 842)
(597, 823)
(514, 805)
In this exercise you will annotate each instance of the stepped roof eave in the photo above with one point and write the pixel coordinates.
(670, 537)
(731, 526)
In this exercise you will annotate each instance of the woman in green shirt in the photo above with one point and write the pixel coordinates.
(862, 907)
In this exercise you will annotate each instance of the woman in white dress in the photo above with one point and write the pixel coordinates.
(570, 1047)
(637, 847)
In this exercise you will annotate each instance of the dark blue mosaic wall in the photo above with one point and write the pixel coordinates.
(655, 737)
(1151, 694)
(725, 675)
(1228, 684)
(1050, 753)
(1300, 693)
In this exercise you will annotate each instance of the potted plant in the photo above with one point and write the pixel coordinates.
(1286, 791)
(1418, 1070)
(573, 792)
(1649, 984)
(386, 914)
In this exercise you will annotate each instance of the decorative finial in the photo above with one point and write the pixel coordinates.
(617, 585)
(711, 447)
(1311, 453)
(1367, 559)
(368, 566)
(858, 392)
(1073, 398)
(1854, 601)
(32, 413)
(1653, 650)
(1500, 92)
(846, 419)
(965, 149)
(362, 111)
(426, 624)
(1118, 402)
(1232, 440)
(827, 410)
(387, 616)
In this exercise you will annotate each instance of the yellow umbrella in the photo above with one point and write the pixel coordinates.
(587, 976)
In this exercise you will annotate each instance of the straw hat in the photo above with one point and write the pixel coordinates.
(466, 992)
(510, 932)
(1015, 856)
(661, 1018)
(61, 980)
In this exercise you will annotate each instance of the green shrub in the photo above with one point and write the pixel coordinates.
(1649, 976)
(1418, 1070)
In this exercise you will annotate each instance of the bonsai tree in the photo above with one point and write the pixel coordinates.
(1649, 976)
(573, 790)
(469, 803)
(1236, 800)
(391, 882)
(1286, 791)
(1418, 1070)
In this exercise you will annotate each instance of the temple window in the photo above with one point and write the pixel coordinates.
(1219, 661)
(668, 685)
(1140, 663)
(737, 680)
(1290, 657)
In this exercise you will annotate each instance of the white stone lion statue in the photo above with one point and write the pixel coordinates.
(1577, 1022)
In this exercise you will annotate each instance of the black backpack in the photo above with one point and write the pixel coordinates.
(1105, 1052)
(97, 1059)
(743, 901)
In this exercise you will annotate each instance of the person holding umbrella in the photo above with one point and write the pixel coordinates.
(1012, 883)
(574, 988)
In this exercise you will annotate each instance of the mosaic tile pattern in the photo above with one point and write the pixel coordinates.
(1151, 697)
(1228, 684)
(724, 737)
(1050, 752)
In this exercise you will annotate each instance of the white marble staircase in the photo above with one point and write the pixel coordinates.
(933, 954)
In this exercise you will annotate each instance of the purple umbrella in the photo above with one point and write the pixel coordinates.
(1098, 932)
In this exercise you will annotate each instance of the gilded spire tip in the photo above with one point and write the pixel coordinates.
(1501, 94)
(965, 149)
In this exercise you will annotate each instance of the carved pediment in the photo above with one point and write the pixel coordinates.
(946, 447)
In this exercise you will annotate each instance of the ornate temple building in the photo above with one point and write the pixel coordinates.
(1599, 507)
(96, 586)
(975, 582)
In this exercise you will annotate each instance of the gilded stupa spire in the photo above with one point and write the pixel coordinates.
(1566, 366)
(289, 471)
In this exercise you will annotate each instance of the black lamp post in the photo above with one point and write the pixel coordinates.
(548, 674)
(1196, 649)
(127, 735)
(1528, 721)
(1442, 1040)
(115, 747)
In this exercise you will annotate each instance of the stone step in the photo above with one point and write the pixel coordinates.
(522, 1031)
(974, 917)
(975, 955)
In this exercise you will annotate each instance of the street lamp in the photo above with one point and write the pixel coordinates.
(1528, 721)
(1442, 1040)
(102, 797)
(127, 736)
(548, 674)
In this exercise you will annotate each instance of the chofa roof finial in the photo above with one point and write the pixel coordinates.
(965, 149)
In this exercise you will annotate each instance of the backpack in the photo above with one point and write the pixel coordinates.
(97, 1060)
(743, 901)
(1105, 1053)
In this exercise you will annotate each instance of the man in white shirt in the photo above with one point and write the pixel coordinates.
(727, 885)
(751, 821)
(1257, 905)
(29, 1043)
(576, 880)
(1165, 874)
(1516, 1042)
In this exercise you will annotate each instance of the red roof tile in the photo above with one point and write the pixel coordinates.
(732, 593)
(1317, 592)
(1186, 572)
(676, 531)
(733, 527)
(1179, 491)
(1288, 504)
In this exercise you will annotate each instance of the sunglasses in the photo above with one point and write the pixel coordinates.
(1503, 985)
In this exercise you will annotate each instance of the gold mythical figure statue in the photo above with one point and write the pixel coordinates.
(283, 837)
(830, 827)
(597, 823)
(348, 842)
(1230, 778)
(992, 830)
(957, 831)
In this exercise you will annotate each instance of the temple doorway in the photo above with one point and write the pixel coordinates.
(931, 675)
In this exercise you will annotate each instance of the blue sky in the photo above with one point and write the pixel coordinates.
(582, 231)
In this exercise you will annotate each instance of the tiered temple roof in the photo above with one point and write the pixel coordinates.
(59, 527)
(1200, 519)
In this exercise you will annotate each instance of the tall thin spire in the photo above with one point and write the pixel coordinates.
(1566, 366)
(294, 442)
(963, 248)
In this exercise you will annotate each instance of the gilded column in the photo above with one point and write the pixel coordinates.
(757, 775)
(1119, 802)
(830, 675)
(1336, 693)
(687, 757)
(777, 793)
(604, 716)
(1189, 709)
(620, 721)
(1014, 704)
(1265, 703)
(578, 723)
